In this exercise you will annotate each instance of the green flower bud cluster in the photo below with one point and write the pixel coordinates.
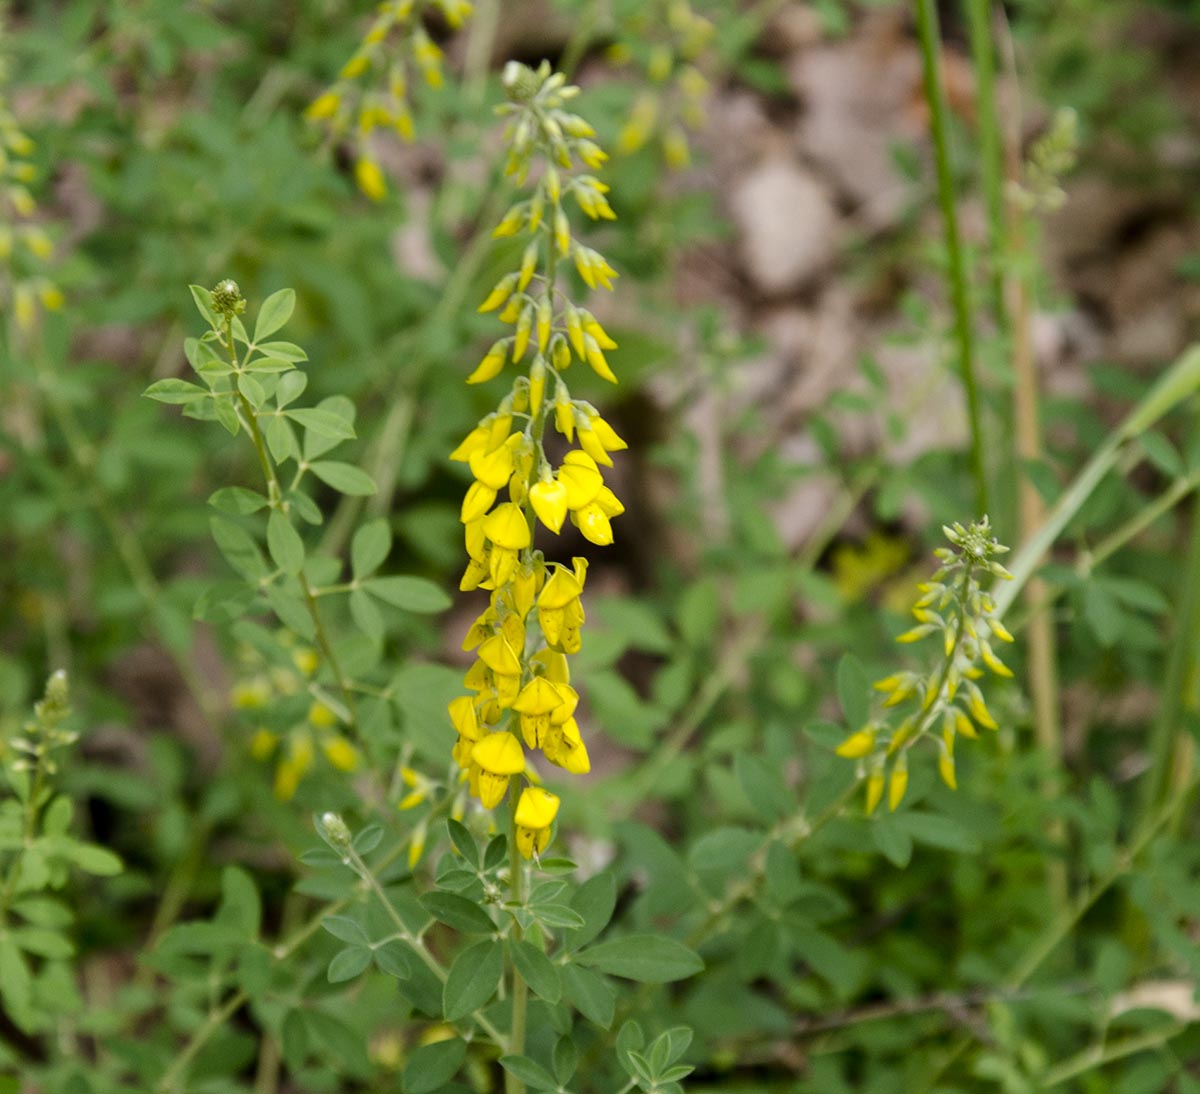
(396, 43)
(45, 733)
(1052, 156)
(946, 699)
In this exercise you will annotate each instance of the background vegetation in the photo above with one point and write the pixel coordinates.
(884, 266)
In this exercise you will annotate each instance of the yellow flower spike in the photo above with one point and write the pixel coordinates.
(545, 314)
(499, 295)
(476, 503)
(582, 479)
(370, 179)
(589, 441)
(609, 503)
(536, 810)
(507, 527)
(595, 358)
(897, 784)
(549, 500)
(464, 717)
(557, 671)
(564, 415)
(416, 845)
(963, 725)
(498, 756)
(980, 712)
(593, 522)
(524, 588)
(477, 438)
(341, 753)
(566, 749)
(946, 768)
(502, 564)
(320, 716)
(493, 469)
(992, 661)
(537, 386)
(857, 744)
(575, 330)
(513, 630)
(263, 743)
(875, 784)
(562, 232)
(538, 699)
(607, 435)
(524, 330)
(476, 539)
(528, 266)
(323, 106)
(512, 222)
(489, 368)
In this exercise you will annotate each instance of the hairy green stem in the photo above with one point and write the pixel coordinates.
(935, 95)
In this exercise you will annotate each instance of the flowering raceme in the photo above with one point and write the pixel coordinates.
(948, 699)
(523, 701)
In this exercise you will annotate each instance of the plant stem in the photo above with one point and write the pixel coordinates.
(520, 991)
(991, 159)
(1178, 383)
(275, 491)
(1100, 1054)
(927, 29)
(1179, 687)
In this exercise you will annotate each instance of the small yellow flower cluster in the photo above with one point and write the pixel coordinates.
(948, 698)
(316, 730)
(395, 44)
(25, 248)
(523, 697)
(669, 42)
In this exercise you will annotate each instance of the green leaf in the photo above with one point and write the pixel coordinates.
(458, 912)
(281, 439)
(175, 392)
(938, 831)
(431, 1067)
(238, 548)
(893, 840)
(413, 594)
(276, 310)
(91, 858)
(595, 900)
(529, 1071)
(344, 477)
(853, 690)
(240, 902)
(473, 979)
(237, 500)
(345, 1043)
(346, 929)
(289, 389)
(43, 942)
(370, 548)
(348, 964)
(226, 414)
(394, 958)
(463, 841)
(651, 959)
(366, 615)
(252, 390)
(764, 787)
(593, 996)
(282, 351)
(284, 543)
(538, 970)
(203, 299)
(324, 423)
